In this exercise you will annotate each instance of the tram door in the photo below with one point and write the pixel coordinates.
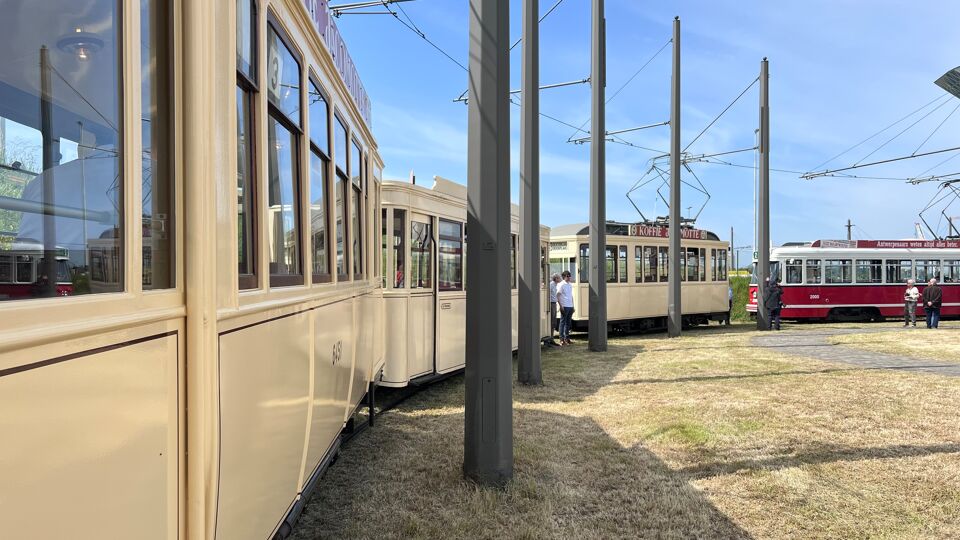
(421, 309)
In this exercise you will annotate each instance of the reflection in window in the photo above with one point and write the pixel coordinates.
(283, 77)
(622, 265)
(927, 270)
(450, 256)
(421, 255)
(282, 211)
(611, 263)
(340, 144)
(246, 37)
(318, 214)
(638, 264)
(584, 263)
(649, 264)
(156, 90)
(356, 211)
(951, 271)
(339, 190)
(869, 271)
(245, 184)
(399, 247)
(664, 256)
(693, 264)
(899, 271)
(60, 147)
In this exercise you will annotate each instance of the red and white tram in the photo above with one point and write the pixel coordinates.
(861, 279)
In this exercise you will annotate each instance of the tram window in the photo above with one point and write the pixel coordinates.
(814, 272)
(513, 261)
(703, 264)
(622, 265)
(340, 144)
(638, 264)
(584, 263)
(714, 260)
(722, 259)
(927, 270)
(793, 271)
(611, 264)
(283, 206)
(356, 211)
(399, 247)
(837, 271)
(664, 266)
(318, 217)
(951, 271)
(6, 269)
(245, 191)
(692, 266)
(899, 271)
(421, 255)
(450, 256)
(650, 264)
(247, 38)
(61, 175)
(383, 246)
(869, 271)
(319, 112)
(283, 77)
(26, 269)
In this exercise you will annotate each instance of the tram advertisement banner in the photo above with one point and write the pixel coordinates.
(888, 244)
(655, 231)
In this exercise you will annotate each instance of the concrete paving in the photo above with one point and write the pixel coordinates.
(815, 344)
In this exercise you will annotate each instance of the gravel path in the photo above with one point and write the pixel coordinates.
(815, 344)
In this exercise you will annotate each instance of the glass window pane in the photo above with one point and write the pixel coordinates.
(283, 77)
(794, 271)
(927, 270)
(60, 145)
(156, 90)
(584, 263)
(450, 256)
(610, 255)
(813, 272)
(693, 266)
(282, 211)
(318, 213)
(869, 271)
(622, 264)
(399, 247)
(319, 112)
(638, 264)
(951, 271)
(356, 233)
(421, 255)
(246, 37)
(513, 261)
(339, 215)
(340, 144)
(356, 165)
(703, 264)
(245, 184)
(664, 265)
(837, 271)
(383, 247)
(649, 264)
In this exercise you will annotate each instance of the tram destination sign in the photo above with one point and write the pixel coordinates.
(319, 11)
(887, 244)
(656, 231)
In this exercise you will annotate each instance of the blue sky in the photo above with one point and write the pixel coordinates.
(840, 71)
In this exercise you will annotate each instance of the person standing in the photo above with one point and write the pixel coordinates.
(565, 299)
(932, 301)
(729, 304)
(554, 281)
(910, 297)
(773, 301)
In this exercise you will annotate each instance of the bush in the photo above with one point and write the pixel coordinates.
(741, 292)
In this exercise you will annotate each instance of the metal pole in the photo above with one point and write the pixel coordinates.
(488, 417)
(528, 353)
(849, 230)
(674, 310)
(597, 309)
(51, 151)
(763, 198)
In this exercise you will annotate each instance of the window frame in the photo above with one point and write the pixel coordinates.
(250, 280)
(867, 263)
(356, 187)
(314, 82)
(274, 112)
(622, 265)
(340, 175)
(459, 256)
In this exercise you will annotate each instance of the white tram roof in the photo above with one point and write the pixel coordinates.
(617, 228)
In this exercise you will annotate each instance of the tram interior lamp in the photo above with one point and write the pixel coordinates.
(950, 81)
(80, 43)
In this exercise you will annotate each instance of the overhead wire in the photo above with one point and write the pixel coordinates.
(412, 26)
(904, 130)
(540, 20)
(712, 122)
(936, 129)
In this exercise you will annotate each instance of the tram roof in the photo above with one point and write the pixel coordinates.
(630, 229)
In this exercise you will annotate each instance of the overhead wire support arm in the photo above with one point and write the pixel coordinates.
(582, 140)
(344, 9)
(464, 99)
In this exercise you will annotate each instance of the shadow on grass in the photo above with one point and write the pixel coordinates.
(571, 480)
(710, 378)
(817, 455)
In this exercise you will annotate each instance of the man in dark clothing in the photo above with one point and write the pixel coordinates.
(932, 301)
(772, 302)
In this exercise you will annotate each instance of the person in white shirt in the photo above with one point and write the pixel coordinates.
(910, 297)
(565, 299)
(554, 280)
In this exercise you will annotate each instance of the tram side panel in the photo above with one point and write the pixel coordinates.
(451, 331)
(90, 437)
(264, 392)
(395, 371)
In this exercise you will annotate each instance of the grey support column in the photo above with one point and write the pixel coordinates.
(488, 418)
(763, 198)
(598, 186)
(528, 353)
(674, 310)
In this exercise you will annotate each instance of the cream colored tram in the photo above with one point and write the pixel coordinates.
(636, 260)
(221, 159)
(424, 231)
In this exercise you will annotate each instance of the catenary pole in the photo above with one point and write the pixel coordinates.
(488, 417)
(763, 198)
(674, 310)
(597, 308)
(528, 348)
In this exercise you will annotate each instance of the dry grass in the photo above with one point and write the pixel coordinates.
(942, 344)
(700, 437)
